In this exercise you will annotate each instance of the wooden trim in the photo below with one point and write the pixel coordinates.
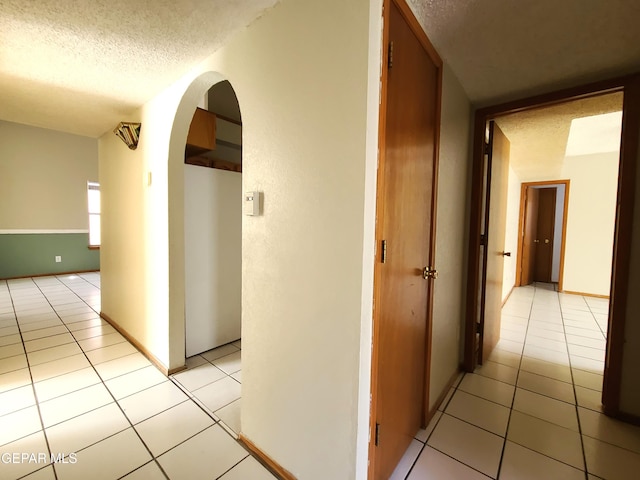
(556, 97)
(141, 348)
(377, 273)
(417, 29)
(565, 211)
(624, 417)
(433, 232)
(630, 85)
(444, 393)
(594, 295)
(619, 292)
(94, 247)
(37, 275)
(473, 255)
(504, 301)
(523, 196)
(227, 119)
(200, 161)
(273, 466)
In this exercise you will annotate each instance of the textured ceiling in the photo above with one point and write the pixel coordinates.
(81, 66)
(539, 137)
(506, 49)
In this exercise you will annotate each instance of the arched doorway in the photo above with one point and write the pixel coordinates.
(212, 222)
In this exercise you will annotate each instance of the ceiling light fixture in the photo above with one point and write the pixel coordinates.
(129, 133)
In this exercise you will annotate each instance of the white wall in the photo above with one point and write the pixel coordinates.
(43, 178)
(306, 265)
(511, 232)
(451, 238)
(590, 222)
(557, 235)
(213, 257)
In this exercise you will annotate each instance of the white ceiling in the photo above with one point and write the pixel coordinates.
(82, 66)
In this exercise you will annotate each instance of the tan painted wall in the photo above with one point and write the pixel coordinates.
(590, 221)
(302, 93)
(43, 178)
(451, 239)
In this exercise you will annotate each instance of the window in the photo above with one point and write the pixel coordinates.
(93, 193)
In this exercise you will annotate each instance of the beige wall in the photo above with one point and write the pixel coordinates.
(43, 178)
(590, 221)
(511, 233)
(308, 260)
(302, 93)
(451, 239)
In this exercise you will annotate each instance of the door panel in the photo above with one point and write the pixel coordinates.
(530, 232)
(498, 165)
(545, 227)
(405, 224)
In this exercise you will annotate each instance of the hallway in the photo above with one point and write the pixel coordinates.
(541, 392)
(69, 383)
(71, 386)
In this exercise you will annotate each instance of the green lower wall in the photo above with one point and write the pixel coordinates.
(23, 255)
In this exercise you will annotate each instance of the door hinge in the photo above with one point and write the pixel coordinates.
(377, 435)
(486, 148)
(478, 327)
(483, 239)
(383, 256)
(390, 55)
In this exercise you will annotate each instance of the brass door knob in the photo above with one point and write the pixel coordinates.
(428, 272)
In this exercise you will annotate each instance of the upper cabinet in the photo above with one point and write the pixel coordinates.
(202, 132)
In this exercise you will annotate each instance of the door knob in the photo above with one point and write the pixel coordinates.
(546, 240)
(536, 241)
(506, 254)
(429, 272)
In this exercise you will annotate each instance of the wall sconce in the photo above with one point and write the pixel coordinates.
(128, 133)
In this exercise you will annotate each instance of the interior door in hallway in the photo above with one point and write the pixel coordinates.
(545, 230)
(405, 238)
(529, 234)
(496, 211)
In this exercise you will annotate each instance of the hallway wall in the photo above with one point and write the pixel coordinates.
(305, 308)
(43, 200)
(451, 238)
(590, 221)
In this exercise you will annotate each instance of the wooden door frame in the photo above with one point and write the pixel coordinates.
(565, 209)
(629, 148)
(420, 34)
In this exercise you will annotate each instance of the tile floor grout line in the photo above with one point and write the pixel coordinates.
(115, 401)
(33, 389)
(575, 393)
(515, 387)
(104, 386)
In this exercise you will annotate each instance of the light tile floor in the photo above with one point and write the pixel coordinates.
(533, 410)
(71, 384)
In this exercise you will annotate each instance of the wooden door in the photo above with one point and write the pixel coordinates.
(545, 229)
(529, 235)
(496, 206)
(405, 227)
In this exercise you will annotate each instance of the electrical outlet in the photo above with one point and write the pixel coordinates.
(58, 258)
